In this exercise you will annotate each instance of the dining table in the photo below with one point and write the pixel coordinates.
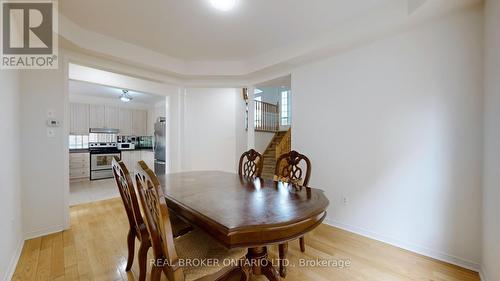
(244, 212)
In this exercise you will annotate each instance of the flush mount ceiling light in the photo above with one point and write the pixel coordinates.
(223, 5)
(125, 97)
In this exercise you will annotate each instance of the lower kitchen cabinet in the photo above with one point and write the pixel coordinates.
(79, 166)
(148, 157)
(131, 157)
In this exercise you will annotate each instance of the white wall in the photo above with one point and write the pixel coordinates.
(10, 217)
(43, 158)
(262, 140)
(491, 181)
(240, 126)
(211, 132)
(395, 126)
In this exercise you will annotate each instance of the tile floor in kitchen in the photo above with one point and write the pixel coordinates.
(91, 191)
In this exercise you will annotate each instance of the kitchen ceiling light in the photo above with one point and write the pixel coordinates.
(223, 5)
(125, 97)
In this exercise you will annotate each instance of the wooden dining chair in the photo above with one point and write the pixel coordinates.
(179, 226)
(290, 168)
(193, 246)
(137, 226)
(251, 164)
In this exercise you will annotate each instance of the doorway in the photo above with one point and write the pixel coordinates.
(273, 121)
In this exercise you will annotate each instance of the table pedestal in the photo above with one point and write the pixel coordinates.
(258, 263)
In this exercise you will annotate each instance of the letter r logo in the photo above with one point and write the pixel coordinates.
(27, 28)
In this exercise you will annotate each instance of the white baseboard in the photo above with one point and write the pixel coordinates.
(409, 247)
(43, 232)
(13, 261)
(482, 274)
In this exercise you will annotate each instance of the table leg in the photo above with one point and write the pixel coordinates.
(283, 250)
(258, 264)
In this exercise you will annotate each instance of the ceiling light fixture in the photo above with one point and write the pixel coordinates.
(125, 97)
(223, 5)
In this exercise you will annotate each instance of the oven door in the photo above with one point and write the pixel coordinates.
(102, 161)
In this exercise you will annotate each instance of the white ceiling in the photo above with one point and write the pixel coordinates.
(191, 38)
(78, 88)
(193, 30)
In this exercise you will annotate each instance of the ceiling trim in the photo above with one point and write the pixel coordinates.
(384, 21)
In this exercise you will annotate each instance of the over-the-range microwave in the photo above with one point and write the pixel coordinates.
(126, 146)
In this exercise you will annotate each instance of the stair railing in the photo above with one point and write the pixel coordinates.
(266, 117)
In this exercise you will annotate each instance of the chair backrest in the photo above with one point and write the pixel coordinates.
(128, 195)
(289, 168)
(155, 211)
(251, 164)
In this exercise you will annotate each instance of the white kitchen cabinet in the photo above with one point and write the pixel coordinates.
(140, 119)
(97, 116)
(128, 121)
(126, 159)
(112, 117)
(125, 121)
(131, 157)
(79, 166)
(136, 158)
(79, 119)
(148, 157)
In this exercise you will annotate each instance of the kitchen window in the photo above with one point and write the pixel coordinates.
(78, 141)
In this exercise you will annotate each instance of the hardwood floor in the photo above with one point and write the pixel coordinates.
(95, 249)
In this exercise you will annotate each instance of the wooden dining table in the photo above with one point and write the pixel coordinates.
(245, 212)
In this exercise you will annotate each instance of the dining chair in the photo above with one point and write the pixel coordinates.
(194, 246)
(137, 226)
(290, 168)
(179, 226)
(251, 164)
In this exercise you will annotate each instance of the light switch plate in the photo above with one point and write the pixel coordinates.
(50, 113)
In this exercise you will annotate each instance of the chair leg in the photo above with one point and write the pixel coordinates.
(143, 257)
(156, 273)
(245, 270)
(283, 250)
(131, 248)
(302, 244)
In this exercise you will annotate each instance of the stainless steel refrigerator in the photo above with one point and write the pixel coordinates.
(160, 145)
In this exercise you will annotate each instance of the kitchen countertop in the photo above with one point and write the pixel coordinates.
(85, 150)
(79, 150)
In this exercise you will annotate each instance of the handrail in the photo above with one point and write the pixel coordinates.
(266, 116)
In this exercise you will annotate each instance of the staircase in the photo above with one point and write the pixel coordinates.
(270, 156)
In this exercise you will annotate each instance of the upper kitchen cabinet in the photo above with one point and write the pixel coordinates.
(112, 117)
(128, 121)
(125, 121)
(97, 116)
(139, 126)
(79, 119)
